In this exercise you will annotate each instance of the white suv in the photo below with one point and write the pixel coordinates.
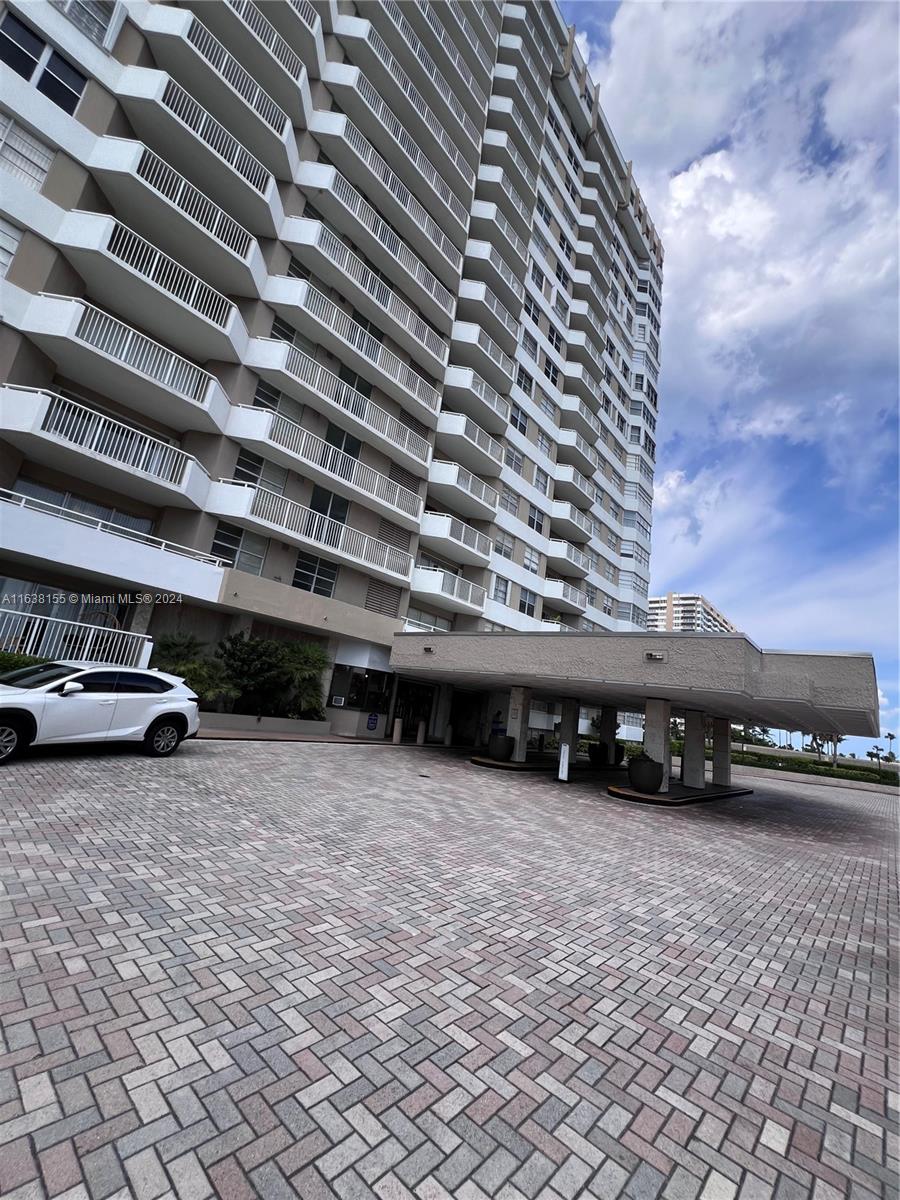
(58, 702)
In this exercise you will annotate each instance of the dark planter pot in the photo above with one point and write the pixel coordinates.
(620, 754)
(645, 775)
(597, 753)
(500, 747)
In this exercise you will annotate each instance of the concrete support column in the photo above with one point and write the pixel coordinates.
(517, 721)
(442, 710)
(607, 732)
(657, 739)
(693, 758)
(721, 771)
(568, 728)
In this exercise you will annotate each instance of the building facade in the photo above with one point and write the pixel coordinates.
(678, 612)
(320, 320)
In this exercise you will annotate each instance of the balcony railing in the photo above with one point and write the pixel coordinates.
(492, 398)
(471, 483)
(354, 268)
(114, 441)
(191, 201)
(465, 534)
(350, 331)
(144, 258)
(392, 242)
(270, 38)
(119, 341)
(490, 348)
(17, 500)
(454, 585)
(229, 69)
(501, 267)
(326, 384)
(427, 63)
(323, 531)
(52, 637)
(426, 9)
(191, 114)
(317, 452)
(563, 549)
(500, 311)
(306, 12)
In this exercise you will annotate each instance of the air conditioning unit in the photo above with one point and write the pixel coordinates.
(337, 701)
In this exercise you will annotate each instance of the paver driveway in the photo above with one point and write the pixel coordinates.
(285, 969)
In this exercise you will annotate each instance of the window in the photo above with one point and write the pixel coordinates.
(75, 503)
(535, 518)
(316, 575)
(360, 688)
(531, 309)
(329, 505)
(527, 602)
(93, 17)
(504, 544)
(543, 211)
(30, 56)
(509, 500)
(566, 246)
(514, 460)
(501, 589)
(10, 237)
(283, 331)
(563, 278)
(541, 480)
(518, 419)
(537, 276)
(251, 468)
(23, 155)
(547, 406)
(134, 683)
(545, 443)
(554, 338)
(531, 560)
(529, 343)
(296, 269)
(524, 380)
(242, 550)
(551, 370)
(94, 682)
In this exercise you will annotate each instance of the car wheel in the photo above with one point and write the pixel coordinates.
(11, 739)
(163, 737)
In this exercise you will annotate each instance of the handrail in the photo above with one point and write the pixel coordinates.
(167, 182)
(461, 532)
(470, 483)
(35, 635)
(268, 36)
(454, 585)
(194, 117)
(241, 81)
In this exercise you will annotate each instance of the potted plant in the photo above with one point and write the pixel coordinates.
(645, 774)
(500, 747)
(598, 753)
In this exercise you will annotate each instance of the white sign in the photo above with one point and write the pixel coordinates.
(564, 761)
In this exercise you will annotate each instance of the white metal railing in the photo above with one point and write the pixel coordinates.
(18, 500)
(455, 586)
(588, 416)
(401, 192)
(269, 36)
(392, 242)
(277, 510)
(469, 33)
(194, 117)
(577, 517)
(164, 180)
(229, 69)
(500, 311)
(517, 243)
(306, 12)
(354, 268)
(71, 641)
(455, 55)
(427, 63)
(491, 398)
(411, 149)
(573, 595)
(92, 17)
(144, 258)
(493, 351)
(526, 172)
(115, 441)
(466, 535)
(316, 452)
(563, 549)
(410, 626)
(482, 440)
(327, 312)
(471, 483)
(500, 266)
(379, 45)
(329, 386)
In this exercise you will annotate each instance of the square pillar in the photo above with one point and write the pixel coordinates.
(693, 758)
(568, 728)
(657, 736)
(721, 771)
(517, 721)
(606, 734)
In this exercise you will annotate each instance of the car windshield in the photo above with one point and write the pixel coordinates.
(36, 675)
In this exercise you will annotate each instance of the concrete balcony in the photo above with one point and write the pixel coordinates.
(478, 303)
(487, 223)
(464, 34)
(467, 443)
(570, 522)
(575, 451)
(73, 641)
(563, 597)
(285, 442)
(362, 103)
(454, 539)
(146, 286)
(510, 80)
(330, 326)
(471, 346)
(467, 392)
(355, 156)
(576, 415)
(242, 26)
(334, 262)
(567, 559)
(70, 437)
(301, 26)
(184, 47)
(499, 150)
(354, 217)
(570, 484)
(267, 513)
(504, 114)
(461, 491)
(301, 377)
(589, 316)
(195, 143)
(487, 266)
(35, 533)
(584, 383)
(465, 57)
(444, 590)
(112, 358)
(495, 186)
(168, 209)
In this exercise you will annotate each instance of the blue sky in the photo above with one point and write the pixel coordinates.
(763, 137)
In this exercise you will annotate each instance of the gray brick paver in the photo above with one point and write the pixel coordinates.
(296, 970)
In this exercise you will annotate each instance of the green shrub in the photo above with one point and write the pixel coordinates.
(187, 657)
(12, 662)
(274, 678)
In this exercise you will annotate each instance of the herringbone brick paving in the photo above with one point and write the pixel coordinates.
(287, 970)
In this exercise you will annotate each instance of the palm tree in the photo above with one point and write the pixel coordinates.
(877, 751)
(890, 741)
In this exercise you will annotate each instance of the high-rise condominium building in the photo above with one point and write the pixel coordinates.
(680, 613)
(321, 320)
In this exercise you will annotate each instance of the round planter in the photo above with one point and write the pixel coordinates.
(645, 775)
(620, 754)
(597, 753)
(500, 747)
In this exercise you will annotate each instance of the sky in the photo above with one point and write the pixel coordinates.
(764, 141)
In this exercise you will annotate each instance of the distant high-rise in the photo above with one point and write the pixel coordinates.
(682, 613)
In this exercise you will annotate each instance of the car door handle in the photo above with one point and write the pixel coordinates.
(107, 701)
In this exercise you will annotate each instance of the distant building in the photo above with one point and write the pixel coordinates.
(677, 612)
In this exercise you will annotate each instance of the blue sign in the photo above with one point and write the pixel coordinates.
(372, 721)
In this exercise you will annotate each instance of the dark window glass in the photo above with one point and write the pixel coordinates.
(61, 83)
(360, 688)
(98, 681)
(35, 676)
(315, 575)
(134, 683)
(19, 47)
(329, 505)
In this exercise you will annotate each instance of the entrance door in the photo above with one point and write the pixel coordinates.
(414, 704)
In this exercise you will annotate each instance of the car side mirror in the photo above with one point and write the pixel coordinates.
(70, 688)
